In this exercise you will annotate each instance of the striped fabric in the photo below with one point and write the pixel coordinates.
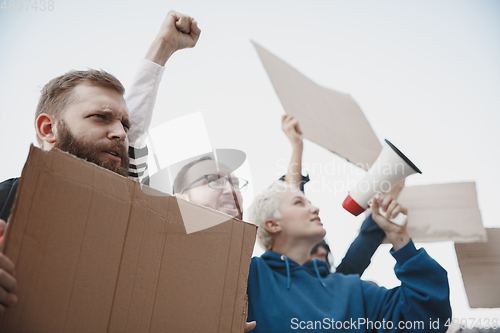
(141, 98)
(138, 170)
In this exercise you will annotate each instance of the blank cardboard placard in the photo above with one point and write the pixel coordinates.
(94, 253)
(443, 212)
(480, 267)
(177, 140)
(327, 117)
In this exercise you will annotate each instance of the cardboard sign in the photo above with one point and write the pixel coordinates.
(327, 117)
(443, 212)
(480, 267)
(94, 253)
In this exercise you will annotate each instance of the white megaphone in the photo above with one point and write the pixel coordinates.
(391, 167)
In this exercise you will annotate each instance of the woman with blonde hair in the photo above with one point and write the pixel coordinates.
(288, 291)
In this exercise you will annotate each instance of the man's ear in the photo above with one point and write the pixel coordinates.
(272, 226)
(45, 128)
(182, 196)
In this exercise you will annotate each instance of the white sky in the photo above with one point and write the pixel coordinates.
(425, 73)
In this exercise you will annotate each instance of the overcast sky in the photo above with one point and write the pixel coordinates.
(425, 73)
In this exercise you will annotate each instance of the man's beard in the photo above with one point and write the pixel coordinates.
(88, 151)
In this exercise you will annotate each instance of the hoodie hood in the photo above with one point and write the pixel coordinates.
(287, 266)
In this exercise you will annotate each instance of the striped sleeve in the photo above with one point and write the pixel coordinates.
(141, 98)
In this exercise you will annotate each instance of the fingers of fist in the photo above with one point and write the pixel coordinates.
(289, 124)
(8, 283)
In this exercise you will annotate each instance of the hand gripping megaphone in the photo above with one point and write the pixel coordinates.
(391, 167)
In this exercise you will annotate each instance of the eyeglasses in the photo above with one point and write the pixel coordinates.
(217, 182)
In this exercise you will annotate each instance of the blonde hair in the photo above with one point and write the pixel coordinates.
(266, 207)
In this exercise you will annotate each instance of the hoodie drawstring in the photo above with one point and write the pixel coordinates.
(317, 273)
(288, 278)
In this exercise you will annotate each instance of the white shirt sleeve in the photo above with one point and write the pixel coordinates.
(141, 98)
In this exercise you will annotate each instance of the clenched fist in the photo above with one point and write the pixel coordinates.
(178, 31)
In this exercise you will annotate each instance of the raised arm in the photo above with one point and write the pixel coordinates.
(178, 31)
(291, 128)
(422, 300)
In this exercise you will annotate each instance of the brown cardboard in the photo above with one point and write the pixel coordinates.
(480, 267)
(443, 212)
(327, 117)
(94, 253)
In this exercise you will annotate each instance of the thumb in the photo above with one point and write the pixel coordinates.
(250, 326)
(297, 129)
(183, 24)
(375, 207)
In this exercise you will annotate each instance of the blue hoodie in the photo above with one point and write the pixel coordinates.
(286, 297)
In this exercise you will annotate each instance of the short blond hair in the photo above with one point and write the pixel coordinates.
(55, 96)
(265, 207)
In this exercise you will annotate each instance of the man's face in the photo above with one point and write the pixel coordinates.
(94, 127)
(201, 194)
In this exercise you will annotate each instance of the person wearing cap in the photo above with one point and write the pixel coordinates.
(211, 184)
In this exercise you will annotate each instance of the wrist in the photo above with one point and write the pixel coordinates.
(160, 51)
(298, 146)
(398, 239)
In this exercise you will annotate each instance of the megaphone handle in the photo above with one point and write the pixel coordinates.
(400, 219)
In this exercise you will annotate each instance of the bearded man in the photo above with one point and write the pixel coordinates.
(85, 114)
